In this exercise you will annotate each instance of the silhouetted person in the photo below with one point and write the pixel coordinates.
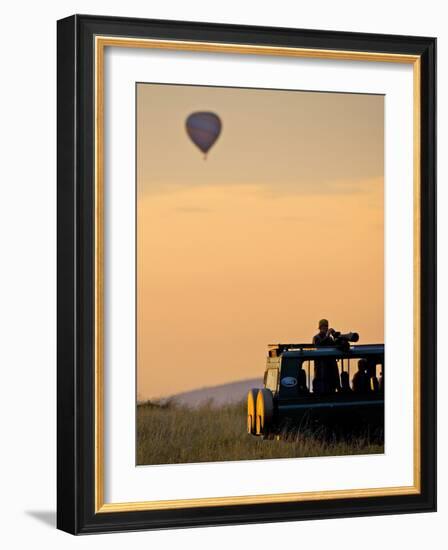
(326, 372)
(361, 379)
(381, 381)
(345, 382)
(325, 335)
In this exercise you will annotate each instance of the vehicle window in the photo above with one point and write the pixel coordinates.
(308, 367)
(271, 379)
(310, 371)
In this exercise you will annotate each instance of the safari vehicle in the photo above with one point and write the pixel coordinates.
(292, 395)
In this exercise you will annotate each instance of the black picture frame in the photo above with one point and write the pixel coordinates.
(76, 511)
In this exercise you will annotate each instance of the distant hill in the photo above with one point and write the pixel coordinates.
(223, 394)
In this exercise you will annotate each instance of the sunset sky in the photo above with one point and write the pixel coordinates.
(280, 226)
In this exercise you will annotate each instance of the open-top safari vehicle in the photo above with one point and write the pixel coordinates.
(312, 387)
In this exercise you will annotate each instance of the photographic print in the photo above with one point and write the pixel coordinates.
(260, 274)
(246, 229)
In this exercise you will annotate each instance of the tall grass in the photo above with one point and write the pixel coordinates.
(170, 434)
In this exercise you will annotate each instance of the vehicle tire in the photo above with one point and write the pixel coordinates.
(265, 411)
(251, 410)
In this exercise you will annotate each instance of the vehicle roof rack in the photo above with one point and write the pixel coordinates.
(280, 348)
(310, 350)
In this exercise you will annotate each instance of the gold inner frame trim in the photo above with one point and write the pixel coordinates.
(101, 42)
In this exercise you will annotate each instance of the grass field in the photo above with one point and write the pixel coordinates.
(170, 434)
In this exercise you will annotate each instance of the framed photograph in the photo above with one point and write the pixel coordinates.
(246, 274)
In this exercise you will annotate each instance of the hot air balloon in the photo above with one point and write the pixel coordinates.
(204, 129)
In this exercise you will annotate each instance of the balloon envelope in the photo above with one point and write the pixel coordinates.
(204, 129)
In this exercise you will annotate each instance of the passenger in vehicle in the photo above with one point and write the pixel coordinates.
(361, 379)
(325, 335)
(326, 372)
(381, 381)
(345, 382)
